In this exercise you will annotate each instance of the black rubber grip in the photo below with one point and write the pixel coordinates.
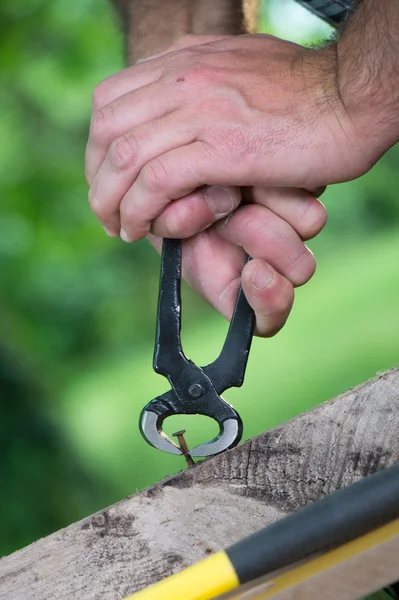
(322, 525)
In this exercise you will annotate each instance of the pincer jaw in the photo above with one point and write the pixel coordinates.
(152, 418)
(229, 436)
(151, 430)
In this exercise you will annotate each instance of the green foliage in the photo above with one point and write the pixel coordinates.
(38, 470)
(78, 309)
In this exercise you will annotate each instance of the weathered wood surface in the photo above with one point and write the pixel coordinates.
(167, 527)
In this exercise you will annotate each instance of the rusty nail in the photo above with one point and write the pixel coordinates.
(183, 447)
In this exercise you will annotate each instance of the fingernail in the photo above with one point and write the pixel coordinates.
(110, 233)
(123, 235)
(222, 223)
(262, 277)
(220, 199)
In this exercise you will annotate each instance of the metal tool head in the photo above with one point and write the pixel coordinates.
(154, 414)
(195, 390)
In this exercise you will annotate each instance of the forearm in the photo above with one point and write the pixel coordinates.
(151, 26)
(368, 70)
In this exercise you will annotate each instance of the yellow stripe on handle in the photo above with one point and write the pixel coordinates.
(205, 580)
(273, 585)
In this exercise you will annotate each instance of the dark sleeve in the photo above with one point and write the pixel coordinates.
(332, 11)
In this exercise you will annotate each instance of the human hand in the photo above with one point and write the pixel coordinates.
(287, 262)
(246, 110)
(270, 229)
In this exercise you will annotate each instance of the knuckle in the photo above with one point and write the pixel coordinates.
(136, 227)
(101, 123)
(128, 212)
(313, 219)
(184, 218)
(94, 203)
(100, 93)
(310, 263)
(272, 318)
(88, 174)
(254, 219)
(303, 268)
(319, 219)
(244, 223)
(174, 224)
(270, 329)
(284, 298)
(235, 197)
(123, 153)
(154, 175)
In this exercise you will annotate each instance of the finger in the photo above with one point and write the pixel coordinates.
(109, 123)
(215, 268)
(123, 102)
(142, 74)
(172, 175)
(270, 295)
(187, 216)
(212, 267)
(298, 207)
(267, 236)
(125, 81)
(123, 162)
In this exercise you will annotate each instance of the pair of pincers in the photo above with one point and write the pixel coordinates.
(195, 390)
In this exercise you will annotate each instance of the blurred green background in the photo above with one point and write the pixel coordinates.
(78, 309)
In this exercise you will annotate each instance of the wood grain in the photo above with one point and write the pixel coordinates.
(180, 520)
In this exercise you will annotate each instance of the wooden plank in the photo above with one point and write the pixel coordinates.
(162, 529)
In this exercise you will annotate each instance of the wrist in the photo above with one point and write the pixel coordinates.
(368, 74)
